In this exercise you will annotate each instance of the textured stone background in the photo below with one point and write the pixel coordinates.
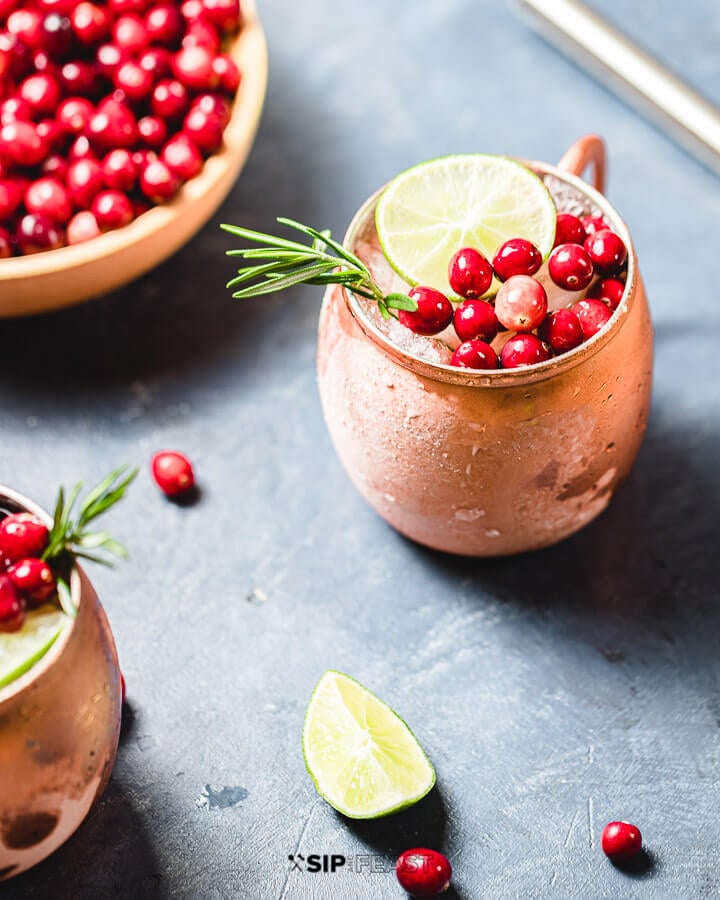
(555, 691)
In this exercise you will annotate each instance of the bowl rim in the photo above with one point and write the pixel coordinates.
(11, 690)
(244, 118)
(522, 375)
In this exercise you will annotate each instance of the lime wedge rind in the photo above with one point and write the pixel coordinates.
(362, 757)
(433, 209)
(21, 650)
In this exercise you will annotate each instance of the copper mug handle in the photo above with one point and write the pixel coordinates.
(588, 150)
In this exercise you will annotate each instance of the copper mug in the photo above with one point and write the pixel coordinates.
(59, 729)
(488, 464)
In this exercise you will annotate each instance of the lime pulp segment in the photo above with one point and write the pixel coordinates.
(20, 650)
(431, 211)
(363, 758)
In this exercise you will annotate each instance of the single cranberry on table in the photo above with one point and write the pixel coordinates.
(523, 350)
(22, 535)
(569, 230)
(621, 840)
(90, 22)
(469, 273)
(561, 330)
(423, 872)
(591, 224)
(173, 472)
(182, 157)
(607, 251)
(433, 314)
(521, 303)
(475, 354)
(48, 197)
(516, 257)
(34, 578)
(475, 319)
(609, 290)
(593, 316)
(570, 267)
(119, 170)
(82, 227)
(36, 233)
(112, 209)
(12, 606)
(84, 181)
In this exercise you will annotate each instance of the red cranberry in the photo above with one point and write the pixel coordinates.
(606, 250)
(45, 64)
(157, 182)
(156, 61)
(113, 125)
(91, 23)
(475, 354)
(621, 840)
(516, 257)
(434, 312)
(15, 109)
(143, 158)
(475, 319)
(129, 34)
(6, 7)
(78, 78)
(21, 144)
(469, 273)
(182, 157)
(49, 131)
(561, 330)
(11, 195)
(34, 579)
(125, 7)
(141, 206)
(521, 303)
(6, 249)
(205, 130)
(169, 99)
(112, 209)
(569, 230)
(55, 166)
(36, 233)
(201, 34)
(609, 290)
(108, 57)
(593, 316)
(16, 55)
(80, 149)
(57, 35)
(173, 472)
(193, 67)
(192, 10)
(523, 350)
(423, 873)
(47, 197)
(12, 606)
(228, 73)
(213, 105)
(26, 24)
(74, 114)
(135, 81)
(570, 267)
(82, 227)
(84, 181)
(119, 170)
(223, 14)
(22, 535)
(164, 24)
(591, 224)
(153, 131)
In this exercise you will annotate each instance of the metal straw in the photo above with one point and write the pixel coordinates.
(691, 119)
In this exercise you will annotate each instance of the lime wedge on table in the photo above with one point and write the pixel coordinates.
(363, 758)
(22, 649)
(428, 213)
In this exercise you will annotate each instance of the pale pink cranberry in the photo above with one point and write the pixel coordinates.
(84, 181)
(91, 23)
(228, 73)
(201, 34)
(475, 319)
(523, 350)
(169, 99)
(561, 330)
(423, 873)
(135, 81)
(47, 197)
(469, 273)
(130, 34)
(153, 131)
(12, 606)
(621, 840)
(21, 144)
(609, 290)
(193, 67)
(119, 170)
(164, 24)
(521, 303)
(182, 157)
(36, 233)
(516, 257)
(112, 209)
(569, 230)
(223, 14)
(570, 267)
(34, 579)
(205, 130)
(591, 224)
(607, 251)
(433, 314)
(74, 114)
(82, 227)
(475, 354)
(593, 316)
(173, 472)
(157, 182)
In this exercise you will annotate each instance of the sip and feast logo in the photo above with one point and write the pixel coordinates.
(316, 862)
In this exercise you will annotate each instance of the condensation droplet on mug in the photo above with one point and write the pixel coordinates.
(576, 392)
(469, 515)
(389, 498)
(475, 449)
(387, 380)
(468, 468)
(492, 533)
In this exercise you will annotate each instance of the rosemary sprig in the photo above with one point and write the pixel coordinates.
(70, 538)
(279, 263)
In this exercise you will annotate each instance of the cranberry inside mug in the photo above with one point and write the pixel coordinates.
(487, 463)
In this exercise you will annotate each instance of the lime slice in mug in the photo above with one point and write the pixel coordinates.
(363, 758)
(21, 649)
(428, 213)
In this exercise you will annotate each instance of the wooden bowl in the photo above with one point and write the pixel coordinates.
(59, 278)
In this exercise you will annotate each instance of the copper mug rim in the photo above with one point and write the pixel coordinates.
(589, 150)
(38, 669)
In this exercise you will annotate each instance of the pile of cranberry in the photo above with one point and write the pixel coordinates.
(105, 110)
(26, 580)
(584, 248)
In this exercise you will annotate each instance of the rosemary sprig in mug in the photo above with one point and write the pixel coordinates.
(279, 263)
